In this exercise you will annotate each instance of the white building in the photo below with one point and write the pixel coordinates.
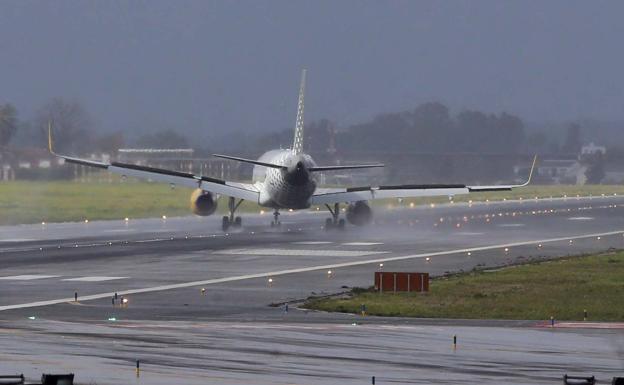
(591, 149)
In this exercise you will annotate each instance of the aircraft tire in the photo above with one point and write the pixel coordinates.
(225, 223)
(238, 222)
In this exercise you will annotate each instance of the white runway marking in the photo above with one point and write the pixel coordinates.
(299, 253)
(300, 270)
(27, 277)
(312, 243)
(17, 240)
(581, 218)
(93, 279)
(362, 243)
(512, 225)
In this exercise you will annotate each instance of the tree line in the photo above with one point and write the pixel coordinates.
(74, 131)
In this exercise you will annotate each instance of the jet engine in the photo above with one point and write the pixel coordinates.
(359, 213)
(203, 203)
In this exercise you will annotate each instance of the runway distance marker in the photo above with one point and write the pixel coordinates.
(271, 275)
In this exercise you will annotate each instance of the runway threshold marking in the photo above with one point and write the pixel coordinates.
(183, 285)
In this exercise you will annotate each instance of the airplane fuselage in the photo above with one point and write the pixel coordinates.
(289, 188)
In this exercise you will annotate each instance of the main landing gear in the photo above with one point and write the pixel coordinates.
(275, 222)
(231, 220)
(334, 222)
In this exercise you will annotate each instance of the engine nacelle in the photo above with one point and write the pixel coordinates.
(203, 203)
(359, 213)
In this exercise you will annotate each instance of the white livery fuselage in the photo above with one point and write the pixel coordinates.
(289, 188)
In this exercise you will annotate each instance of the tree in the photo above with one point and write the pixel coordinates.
(70, 122)
(8, 123)
(572, 144)
(509, 132)
(538, 142)
(595, 172)
(110, 143)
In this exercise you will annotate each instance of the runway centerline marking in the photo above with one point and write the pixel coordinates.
(299, 253)
(362, 243)
(27, 277)
(93, 279)
(299, 270)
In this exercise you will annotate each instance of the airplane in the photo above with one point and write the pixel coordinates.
(285, 180)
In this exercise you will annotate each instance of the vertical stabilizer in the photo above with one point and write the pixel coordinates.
(298, 143)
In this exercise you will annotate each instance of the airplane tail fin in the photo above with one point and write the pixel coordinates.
(298, 142)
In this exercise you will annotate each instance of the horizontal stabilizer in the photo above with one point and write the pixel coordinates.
(256, 162)
(347, 167)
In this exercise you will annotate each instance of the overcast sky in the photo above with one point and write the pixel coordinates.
(209, 67)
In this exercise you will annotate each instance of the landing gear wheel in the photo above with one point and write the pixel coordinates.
(225, 223)
(334, 222)
(231, 220)
(275, 222)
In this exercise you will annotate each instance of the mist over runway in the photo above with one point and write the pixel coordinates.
(237, 330)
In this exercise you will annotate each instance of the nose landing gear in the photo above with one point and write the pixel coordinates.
(275, 222)
(334, 222)
(231, 220)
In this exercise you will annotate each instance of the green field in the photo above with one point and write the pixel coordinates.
(34, 202)
(562, 288)
(56, 201)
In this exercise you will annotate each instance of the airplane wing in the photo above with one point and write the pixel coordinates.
(214, 185)
(353, 194)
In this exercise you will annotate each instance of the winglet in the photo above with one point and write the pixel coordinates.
(50, 141)
(531, 172)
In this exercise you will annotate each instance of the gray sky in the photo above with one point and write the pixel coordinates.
(210, 67)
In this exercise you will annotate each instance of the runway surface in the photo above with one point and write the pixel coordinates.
(236, 330)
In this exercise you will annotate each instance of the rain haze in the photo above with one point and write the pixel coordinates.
(206, 68)
(311, 192)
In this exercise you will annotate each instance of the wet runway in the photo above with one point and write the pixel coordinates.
(236, 330)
